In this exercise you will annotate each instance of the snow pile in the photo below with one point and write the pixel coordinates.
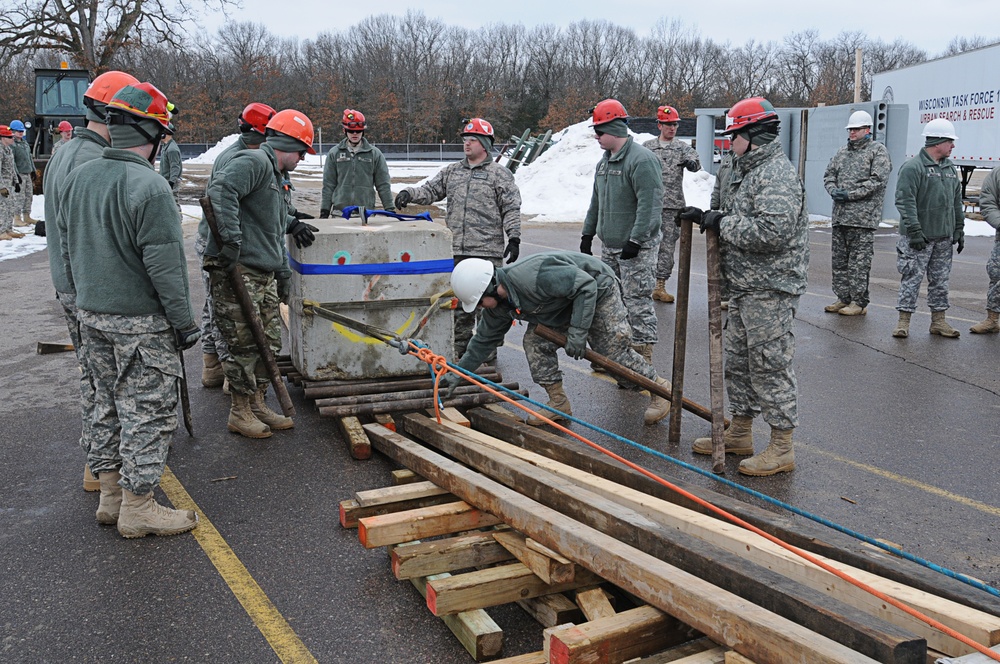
(208, 157)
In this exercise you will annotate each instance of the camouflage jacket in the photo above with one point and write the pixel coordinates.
(673, 156)
(348, 177)
(989, 199)
(765, 233)
(626, 203)
(721, 192)
(8, 175)
(861, 167)
(483, 203)
(929, 198)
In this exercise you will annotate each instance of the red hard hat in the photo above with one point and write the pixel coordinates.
(749, 112)
(354, 119)
(608, 110)
(104, 87)
(126, 101)
(295, 124)
(667, 114)
(5, 132)
(255, 117)
(477, 127)
(65, 126)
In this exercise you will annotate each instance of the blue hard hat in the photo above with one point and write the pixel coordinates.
(17, 125)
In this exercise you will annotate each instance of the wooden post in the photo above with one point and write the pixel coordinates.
(716, 376)
(680, 331)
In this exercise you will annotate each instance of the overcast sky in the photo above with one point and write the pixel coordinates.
(928, 24)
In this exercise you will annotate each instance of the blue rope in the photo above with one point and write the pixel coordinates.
(975, 583)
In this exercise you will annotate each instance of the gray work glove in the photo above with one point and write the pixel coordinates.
(839, 195)
(449, 382)
(229, 256)
(187, 337)
(284, 285)
(324, 213)
(917, 241)
(576, 342)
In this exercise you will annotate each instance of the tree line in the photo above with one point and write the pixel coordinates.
(415, 78)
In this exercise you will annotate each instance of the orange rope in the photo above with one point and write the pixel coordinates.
(439, 366)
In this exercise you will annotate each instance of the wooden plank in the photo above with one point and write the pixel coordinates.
(736, 658)
(704, 648)
(404, 475)
(355, 437)
(715, 655)
(395, 494)
(351, 512)
(452, 415)
(551, 610)
(721, 615)
(529, 658)
(447, 555)
(615, 639)
(594, 604)
(376, 531)
(385, 419)
(550, 569)
(828, 616)
(493, 586)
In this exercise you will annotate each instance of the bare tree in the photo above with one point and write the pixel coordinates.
(962, 44)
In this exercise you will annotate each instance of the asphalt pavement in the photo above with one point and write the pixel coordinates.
(898, 440)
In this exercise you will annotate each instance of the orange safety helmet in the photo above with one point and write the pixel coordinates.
(5, 132)
(608, 110)
(354, 120)
(748, 113)
(125, 100)
(478, 127)
(104, 87)
(65, 126)
(667, 114)
(255, 117)
(295, 124)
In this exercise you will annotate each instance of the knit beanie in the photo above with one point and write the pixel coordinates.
(616, 127)
(763, 138)
(285, 143)
(931, 141)
(483, 140)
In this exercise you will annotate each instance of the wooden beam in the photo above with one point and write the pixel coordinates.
(357, 441)
(404, 475)
(452, 415)
(529, 658)
(447, 555)
(376, 531)
(351, 512)
(703, 648)
(552, 610)
(338, 388)
(615, 639)
(721, 615)
(466, 400)
(736, 658)
(594, 604)
(549, 567)
(395, 494)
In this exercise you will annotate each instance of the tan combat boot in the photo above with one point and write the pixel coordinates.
(15, 234)
(989, 326)
(111, 498)
(660, 292)
(940, 326)
(853, 309)
(243, 421)
(835, 307)
(212, 374)
(557, 400)
(779, 457)
(141, 516)
(659, 407)
(738, 438)
(646, 350)
(90, 483)
(258, 406)
(903, 326)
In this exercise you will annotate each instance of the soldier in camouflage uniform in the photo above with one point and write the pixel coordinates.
(625, 214)
(572, 293)
(989, 205)
(8, 180)
(931, 220)
(124, 259)
(65, 131)
(763, 232)
(250, 197)
(25, 167)
(721, 195)
(675, 157)
(483, 204)
(855, 178)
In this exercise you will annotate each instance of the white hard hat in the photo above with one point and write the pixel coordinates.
(859, 119)
(469, 280)
(939, 128)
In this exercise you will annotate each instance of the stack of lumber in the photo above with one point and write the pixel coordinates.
(497, 522)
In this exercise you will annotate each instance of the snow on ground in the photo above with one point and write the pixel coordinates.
(208, 157)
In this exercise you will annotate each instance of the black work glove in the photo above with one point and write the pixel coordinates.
(711, 220)
(576, 342)
(284, 288)
(33, 174)
(302, 233)
(448, 383)
(403, 199)
(171, 184)
(17, 186)
(630, 250)
(324, 213)
(959, 239)
(586, 244)
(513, 249)
(839, 195)
(918, 242)
(690, 213)
(692, 165)
(187, 337)
(302, 215)
(229, 256)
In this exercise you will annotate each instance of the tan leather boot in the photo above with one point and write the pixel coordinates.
(557, 400)
(258, 406)
(659, 407)
(779, 457)
(243, 421)
(141, 516)
(660, 292)
(212, 374)
(835, 307)
(111, 498)
(903, 326)
(853, 309)
(738, 438)
(646, 350)
(941, 327)
(989, 326)
(90, 483)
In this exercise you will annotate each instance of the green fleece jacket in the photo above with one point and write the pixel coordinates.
(929, 198)
(348, 177)
(124, 249)
(627, 201)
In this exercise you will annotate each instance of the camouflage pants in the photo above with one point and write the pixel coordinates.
(760, 347)
(26, 197)
(851, 254)
(637, 280)
(68, 302)
(7, 211)
(135, 397)
(244, 367)
(609, 335)
(465, 324)
(993, 270)
(670, 232)
(212, 342)
(934, 260)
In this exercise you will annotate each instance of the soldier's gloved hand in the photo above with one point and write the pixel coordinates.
(711, 220)
(284, 288)
(324, 213)
(918, 242)
(576, 342)
(302, 215)
(839, 195)
(690, 213)
(630, 250)
(170, 183)
(403, 199)
(229, 256)
(692, 165)
(586, 244)
(302, 233)
(17, 186)
(513, 249)
(187, 337)
(4, 192)
(448, 383)
(960, 241)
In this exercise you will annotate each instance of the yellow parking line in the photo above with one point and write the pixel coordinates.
(279, 634)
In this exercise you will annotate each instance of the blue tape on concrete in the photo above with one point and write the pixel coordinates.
(445, 265)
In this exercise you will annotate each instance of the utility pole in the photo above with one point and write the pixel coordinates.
(857, 76)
